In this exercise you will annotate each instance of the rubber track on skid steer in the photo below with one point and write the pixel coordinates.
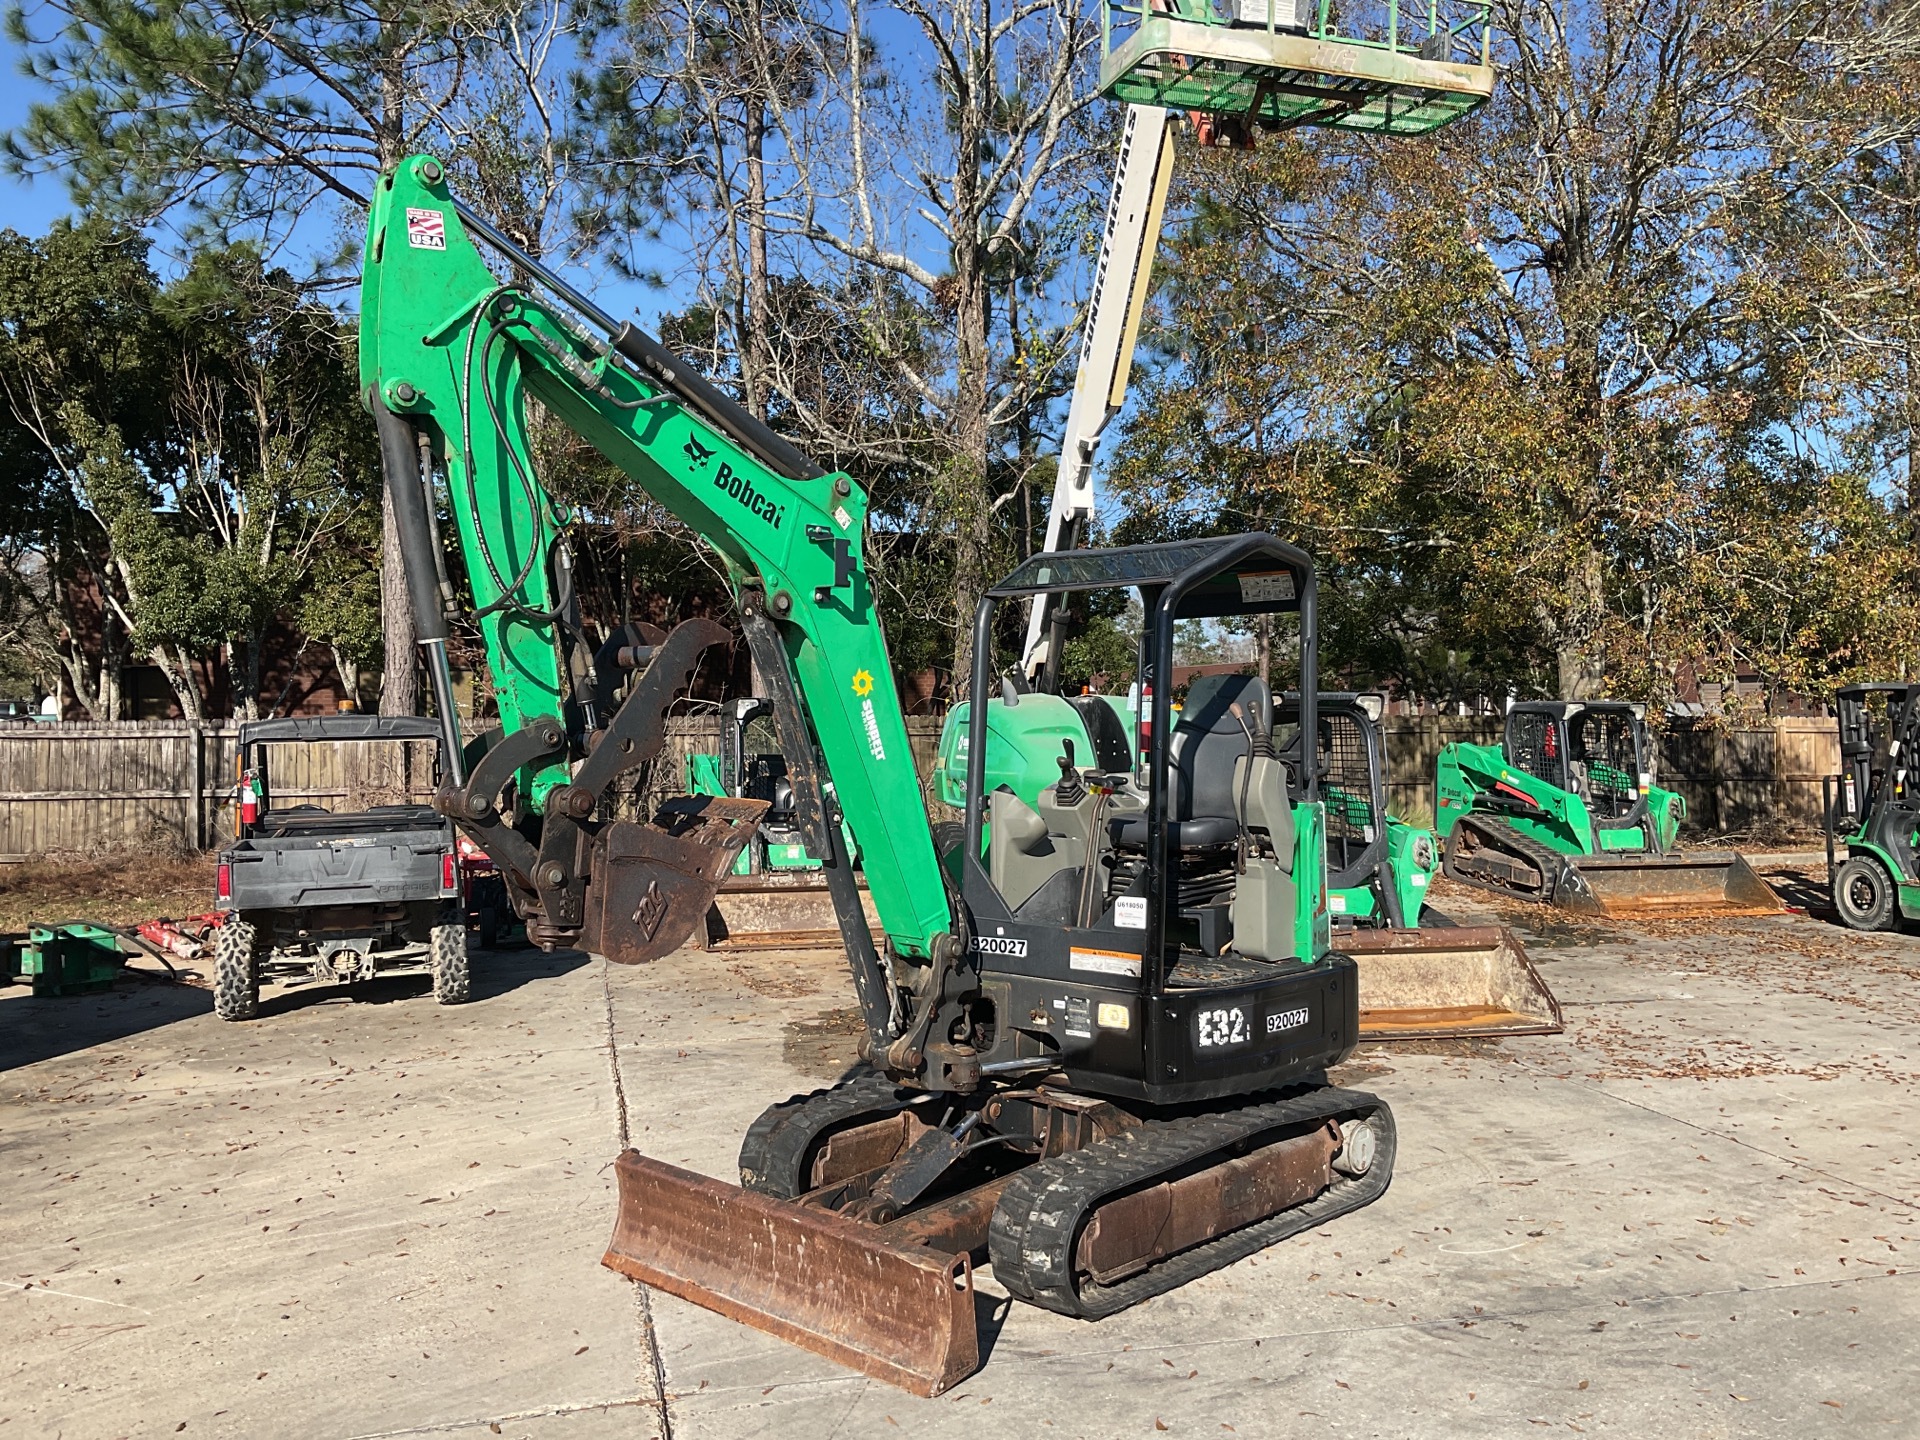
(1036, 1225)
(1500, 835)
(776, 1144)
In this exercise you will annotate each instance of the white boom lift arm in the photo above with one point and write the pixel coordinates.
(1134, 212)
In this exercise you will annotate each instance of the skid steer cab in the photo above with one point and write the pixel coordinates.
(1871, 807)
(1564, 811)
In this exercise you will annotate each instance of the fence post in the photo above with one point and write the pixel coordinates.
(197, 785)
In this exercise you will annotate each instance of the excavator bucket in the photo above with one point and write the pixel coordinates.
(651, 885)
(1448, 982)
(1699, 884)
(900, 1312)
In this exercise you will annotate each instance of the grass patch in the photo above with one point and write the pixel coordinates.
(114, 889)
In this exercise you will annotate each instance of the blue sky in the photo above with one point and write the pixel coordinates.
(28, 208)
(31, 206)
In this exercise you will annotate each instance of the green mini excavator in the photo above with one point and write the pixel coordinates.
(1564, 811)
(1097, 1017)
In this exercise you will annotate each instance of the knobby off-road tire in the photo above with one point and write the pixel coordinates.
(236, 971)
(452, 971)
(1864, 894)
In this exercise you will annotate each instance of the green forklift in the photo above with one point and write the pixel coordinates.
(1564, 812)
(1873, 810)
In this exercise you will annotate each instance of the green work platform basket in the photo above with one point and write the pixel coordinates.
(1369, 65)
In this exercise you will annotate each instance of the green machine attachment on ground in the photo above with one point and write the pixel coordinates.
(1565, 812)
(74, 957)
(1875, 813)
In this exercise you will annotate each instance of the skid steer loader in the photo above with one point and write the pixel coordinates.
(1421, 976)
(775, 897)
(1565, 812)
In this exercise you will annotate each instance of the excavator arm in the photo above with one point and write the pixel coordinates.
(452, 356)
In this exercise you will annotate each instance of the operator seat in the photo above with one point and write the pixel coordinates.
(1206, 745)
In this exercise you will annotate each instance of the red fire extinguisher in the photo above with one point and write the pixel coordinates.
(249, 800)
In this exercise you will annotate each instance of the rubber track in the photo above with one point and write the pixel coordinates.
(1036, 1226)
(777, 1143)
(1549, 862)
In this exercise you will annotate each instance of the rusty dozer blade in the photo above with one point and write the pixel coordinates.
(1447, 982)
(650, 885)
(1697, 884)
(901, 1313)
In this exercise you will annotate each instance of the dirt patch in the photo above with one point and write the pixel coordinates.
(1364, 1065)
(826, 1045)
(774, 981)
(112, 889)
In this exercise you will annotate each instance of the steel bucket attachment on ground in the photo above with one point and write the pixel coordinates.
(902, 1313)
(1448, 982)
(776, 912)
(1699, 884)
(650, 885)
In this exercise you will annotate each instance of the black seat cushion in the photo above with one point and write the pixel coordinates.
(1208, 743)
(1185, 834)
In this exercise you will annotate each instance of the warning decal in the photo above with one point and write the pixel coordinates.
(426, 229)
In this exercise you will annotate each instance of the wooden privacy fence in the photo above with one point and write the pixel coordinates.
(151, 783)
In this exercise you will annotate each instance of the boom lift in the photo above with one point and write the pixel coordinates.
(1565, 812)
(1876, 814)
(1097, 1052)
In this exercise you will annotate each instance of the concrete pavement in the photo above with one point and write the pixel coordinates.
(1692, 1215)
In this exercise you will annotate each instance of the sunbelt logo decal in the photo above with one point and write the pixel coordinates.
(863, 687)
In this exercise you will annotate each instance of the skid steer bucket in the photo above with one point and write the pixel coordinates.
(1703, 883)
(1448, 982)
(776, 912)
(902, 1313)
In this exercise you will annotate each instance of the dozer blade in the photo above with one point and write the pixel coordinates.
(1447, 982)
(650, 885)
(1701, 883)
(898, 1312)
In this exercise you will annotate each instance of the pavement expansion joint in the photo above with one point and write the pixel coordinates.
(1905, 1201)
(653, 1363)
(486, 1423)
